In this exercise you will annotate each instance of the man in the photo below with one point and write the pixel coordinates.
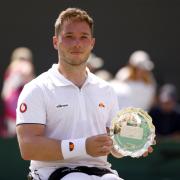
(64, 114)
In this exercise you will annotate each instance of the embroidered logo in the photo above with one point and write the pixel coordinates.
(101, 105)
(71, 146)
(62, 105)
(23, 108)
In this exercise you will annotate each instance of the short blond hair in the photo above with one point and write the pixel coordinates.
(75, 14)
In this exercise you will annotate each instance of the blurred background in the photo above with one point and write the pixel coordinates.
(121, 27)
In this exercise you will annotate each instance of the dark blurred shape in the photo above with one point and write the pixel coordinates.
(166, 114)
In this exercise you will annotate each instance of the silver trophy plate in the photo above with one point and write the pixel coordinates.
(132, 132)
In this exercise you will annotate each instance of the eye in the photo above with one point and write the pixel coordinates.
(69, 36)
(84, 37)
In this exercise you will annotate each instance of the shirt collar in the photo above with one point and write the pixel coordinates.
(90, 77)
(59, 80)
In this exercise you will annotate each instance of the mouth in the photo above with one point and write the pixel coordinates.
(76, 52)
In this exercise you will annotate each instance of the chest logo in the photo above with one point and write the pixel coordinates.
(62, 105)
(101, 105)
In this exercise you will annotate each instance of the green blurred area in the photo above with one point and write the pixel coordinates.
(12, 166)
(162, 164)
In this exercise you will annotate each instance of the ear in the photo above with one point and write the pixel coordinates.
(92, 43)
(55, 42)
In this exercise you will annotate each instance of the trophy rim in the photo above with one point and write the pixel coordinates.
(150, 138)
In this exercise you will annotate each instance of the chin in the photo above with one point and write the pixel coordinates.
(78, 61)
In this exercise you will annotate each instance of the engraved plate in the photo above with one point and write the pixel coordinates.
(132, 132)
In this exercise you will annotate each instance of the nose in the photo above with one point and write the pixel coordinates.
(77, 42)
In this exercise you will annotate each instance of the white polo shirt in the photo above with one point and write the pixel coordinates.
(67, 111)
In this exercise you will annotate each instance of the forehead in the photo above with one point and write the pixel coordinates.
(75, 26)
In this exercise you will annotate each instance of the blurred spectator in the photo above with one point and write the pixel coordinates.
(18, 73)
(94, 63)
(135, 84)
(166, 114)
(2, 125)
(104, 74)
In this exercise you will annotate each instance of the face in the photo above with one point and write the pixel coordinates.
(140, 73)
(74, 43)
(168, 105)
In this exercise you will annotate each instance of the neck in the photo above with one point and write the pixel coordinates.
(76, 74)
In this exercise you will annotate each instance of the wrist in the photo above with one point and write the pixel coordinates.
(73, 148)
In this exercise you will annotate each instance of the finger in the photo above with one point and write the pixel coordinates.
(145, 154)
(103, 153)
(106, 143)
(150, 149)
(105, 149)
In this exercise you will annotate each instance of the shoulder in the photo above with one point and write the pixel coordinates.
(101, 84)
(38, 81)
(36, 84)
(97, 80)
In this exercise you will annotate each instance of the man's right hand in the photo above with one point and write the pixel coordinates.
(99, 145)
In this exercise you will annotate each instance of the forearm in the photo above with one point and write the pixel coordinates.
(34, 145)
(40, 148)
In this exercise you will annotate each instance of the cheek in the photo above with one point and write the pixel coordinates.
(87, 42)
(83, 43)
(66, 42)
(64, 46)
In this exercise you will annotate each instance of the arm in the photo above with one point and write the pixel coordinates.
(31, 125)
(35, 146)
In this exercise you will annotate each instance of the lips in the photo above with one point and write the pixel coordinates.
(76, 52)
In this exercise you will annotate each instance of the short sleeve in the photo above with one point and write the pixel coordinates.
(31, 107)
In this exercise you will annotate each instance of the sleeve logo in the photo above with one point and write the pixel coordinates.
(23, 108)
(71, 146)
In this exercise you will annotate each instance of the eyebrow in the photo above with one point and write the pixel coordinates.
(84, 33)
